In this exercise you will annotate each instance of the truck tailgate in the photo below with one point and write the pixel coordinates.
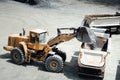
(93, 58)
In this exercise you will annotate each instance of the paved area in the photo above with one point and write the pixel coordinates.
(14, 16)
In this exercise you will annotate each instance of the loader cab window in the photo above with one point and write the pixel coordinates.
(38, 38)
(32, 38)
(42, 37)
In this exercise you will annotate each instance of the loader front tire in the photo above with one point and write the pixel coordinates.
(54, 63)
(17, 56)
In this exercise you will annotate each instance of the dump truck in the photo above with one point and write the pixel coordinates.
(92, 61)
(107, 21)
(33, 47)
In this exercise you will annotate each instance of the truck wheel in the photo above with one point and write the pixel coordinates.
(54, 63)
(17, 56)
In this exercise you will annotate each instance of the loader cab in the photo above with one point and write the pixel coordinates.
(38, 36)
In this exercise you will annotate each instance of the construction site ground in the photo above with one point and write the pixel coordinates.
(66, 13)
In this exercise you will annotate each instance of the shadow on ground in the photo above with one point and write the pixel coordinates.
(118, 72)
(70, 68)
(40, 65)
(5, 56)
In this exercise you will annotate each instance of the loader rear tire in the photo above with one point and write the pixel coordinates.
(17, 56)
(54, 63)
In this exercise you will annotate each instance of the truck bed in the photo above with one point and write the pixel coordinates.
(93, 58)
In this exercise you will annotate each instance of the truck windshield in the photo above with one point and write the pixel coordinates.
(42, 38)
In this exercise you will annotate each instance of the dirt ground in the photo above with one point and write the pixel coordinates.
(63, 13)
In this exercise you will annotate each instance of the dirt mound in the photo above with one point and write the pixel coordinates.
(46, 3)
(49, 3)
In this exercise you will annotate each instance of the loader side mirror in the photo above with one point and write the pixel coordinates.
(20, 34)
(32, 37)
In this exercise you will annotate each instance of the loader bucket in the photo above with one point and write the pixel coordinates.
(86, 35)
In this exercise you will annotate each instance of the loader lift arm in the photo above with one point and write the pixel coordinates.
(62, 37)
(82, 34)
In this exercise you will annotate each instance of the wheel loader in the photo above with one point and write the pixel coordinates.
(33, 47)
